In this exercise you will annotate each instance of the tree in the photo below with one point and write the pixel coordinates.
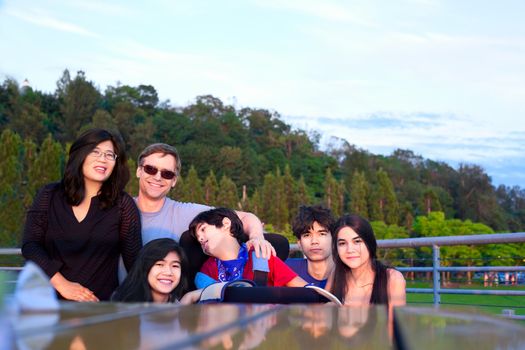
(302, 193)
(102, 119)
(359, 190)
(194, 189)
(280, 201)
(229, 161)
(383, 202)
(11, 208)
(179, 191)
(47, 167)
(255, 205)
(29, 120)
(268, 200)
(132, 186)
(228, 196)
(330, 191)
(290, 193)
(30, 155)
(429, 202)
(79, 101)
(403, 256)
(211, 189)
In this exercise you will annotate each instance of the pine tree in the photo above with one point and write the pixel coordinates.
(391, 208)
(383, 201)
(333, 193)
(211, 188)
(194, 186)
(11, 208)
(255, 204)
(228, 196)
(132, 187)
(280, 201)
(302, 195)
(47, 167)
(79, 101)
(290, 193)
(268, 207)
(359, 189)
(179, 191)
(429, 202)
(30, 154)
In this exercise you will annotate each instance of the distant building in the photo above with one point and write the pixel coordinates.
(25, 86)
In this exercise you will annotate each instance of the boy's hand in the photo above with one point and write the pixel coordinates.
(262, 248)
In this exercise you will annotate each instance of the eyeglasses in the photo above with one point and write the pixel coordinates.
(110, 156)
(165, 174)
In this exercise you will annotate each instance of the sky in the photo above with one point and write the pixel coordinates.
(445, 79)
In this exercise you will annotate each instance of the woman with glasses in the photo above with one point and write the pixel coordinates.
(77, 228)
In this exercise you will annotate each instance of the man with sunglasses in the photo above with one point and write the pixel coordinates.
(158, 168)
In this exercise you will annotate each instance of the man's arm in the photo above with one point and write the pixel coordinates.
(254, 229)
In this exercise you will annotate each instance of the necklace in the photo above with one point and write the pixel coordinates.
(364, 285)
(355, 283)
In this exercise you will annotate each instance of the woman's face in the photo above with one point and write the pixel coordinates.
(99, 163)
(352, 249)
(164, 277)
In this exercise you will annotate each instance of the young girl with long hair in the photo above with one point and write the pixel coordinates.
(159, 275)
(359, 277)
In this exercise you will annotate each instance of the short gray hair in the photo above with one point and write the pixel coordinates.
(163, 148)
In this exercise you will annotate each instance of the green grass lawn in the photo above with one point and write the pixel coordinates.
(492, 304)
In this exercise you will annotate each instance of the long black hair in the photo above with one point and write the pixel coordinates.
(135, 287)
(364, 230)
(73, 179)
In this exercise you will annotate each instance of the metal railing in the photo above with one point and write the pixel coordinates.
(436, 268)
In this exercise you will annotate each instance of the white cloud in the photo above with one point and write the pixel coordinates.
(42, 19)
(326, 10)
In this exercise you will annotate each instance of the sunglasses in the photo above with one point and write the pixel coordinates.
(165, 174)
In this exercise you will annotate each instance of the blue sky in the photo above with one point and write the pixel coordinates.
(445, 79)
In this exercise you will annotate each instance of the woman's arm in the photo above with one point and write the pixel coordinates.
(35, 231)
(130, 231)
(71, 290)
(396, 288)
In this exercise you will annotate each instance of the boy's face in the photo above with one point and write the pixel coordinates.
(316, 244)
(211, 237)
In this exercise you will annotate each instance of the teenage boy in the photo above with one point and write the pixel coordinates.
(311, 226)
(221, 236)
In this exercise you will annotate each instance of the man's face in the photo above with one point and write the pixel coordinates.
(156, 187)
(316, 244)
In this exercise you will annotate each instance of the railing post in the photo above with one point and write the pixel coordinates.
(436, 277)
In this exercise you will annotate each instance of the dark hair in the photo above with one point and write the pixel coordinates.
(214, 217)
(304, 221)
(364, 230)
(135, 288)
(73, 179)
(163, 148)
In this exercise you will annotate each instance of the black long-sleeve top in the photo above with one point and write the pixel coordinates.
(85, 252)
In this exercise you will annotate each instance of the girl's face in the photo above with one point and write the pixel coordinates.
(352, 249)
(164, 277)
(99, 163)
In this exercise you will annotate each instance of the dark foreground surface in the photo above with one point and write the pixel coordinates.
(250, 326)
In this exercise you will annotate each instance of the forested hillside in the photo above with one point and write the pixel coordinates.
(245, 158)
